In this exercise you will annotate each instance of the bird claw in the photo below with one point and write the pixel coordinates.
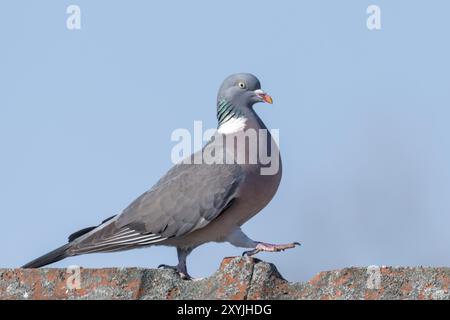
(183, 274)
(250, 253)
(165, 266)
(267, 247)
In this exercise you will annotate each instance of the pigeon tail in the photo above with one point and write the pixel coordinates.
(53, 256)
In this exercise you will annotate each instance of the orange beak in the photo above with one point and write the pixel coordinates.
(264, 96)
(267, 98)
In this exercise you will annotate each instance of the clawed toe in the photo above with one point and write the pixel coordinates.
(270, 248)
(165, 266)
(183, 274)
(250, 253)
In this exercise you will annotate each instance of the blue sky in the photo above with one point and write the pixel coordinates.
(86, 118)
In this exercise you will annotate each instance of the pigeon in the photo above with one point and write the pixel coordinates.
(206, 197)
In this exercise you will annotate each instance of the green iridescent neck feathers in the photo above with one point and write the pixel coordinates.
(227, 111)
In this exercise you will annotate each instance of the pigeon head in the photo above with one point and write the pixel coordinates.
(242, 90)
(237, 95)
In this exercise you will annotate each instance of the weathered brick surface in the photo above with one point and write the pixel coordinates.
(237, 278)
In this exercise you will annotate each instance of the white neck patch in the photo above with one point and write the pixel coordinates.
(233, 125)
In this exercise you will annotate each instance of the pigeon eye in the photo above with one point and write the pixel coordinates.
(242, 85)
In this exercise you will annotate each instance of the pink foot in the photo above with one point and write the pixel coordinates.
(268, 247)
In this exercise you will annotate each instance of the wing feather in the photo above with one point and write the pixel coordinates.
(187, 198)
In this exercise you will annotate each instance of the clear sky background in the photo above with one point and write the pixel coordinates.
(86, 118)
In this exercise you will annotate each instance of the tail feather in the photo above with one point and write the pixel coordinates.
(53, 256)
(62, 252)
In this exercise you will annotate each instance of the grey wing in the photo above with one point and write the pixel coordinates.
(187, 198)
